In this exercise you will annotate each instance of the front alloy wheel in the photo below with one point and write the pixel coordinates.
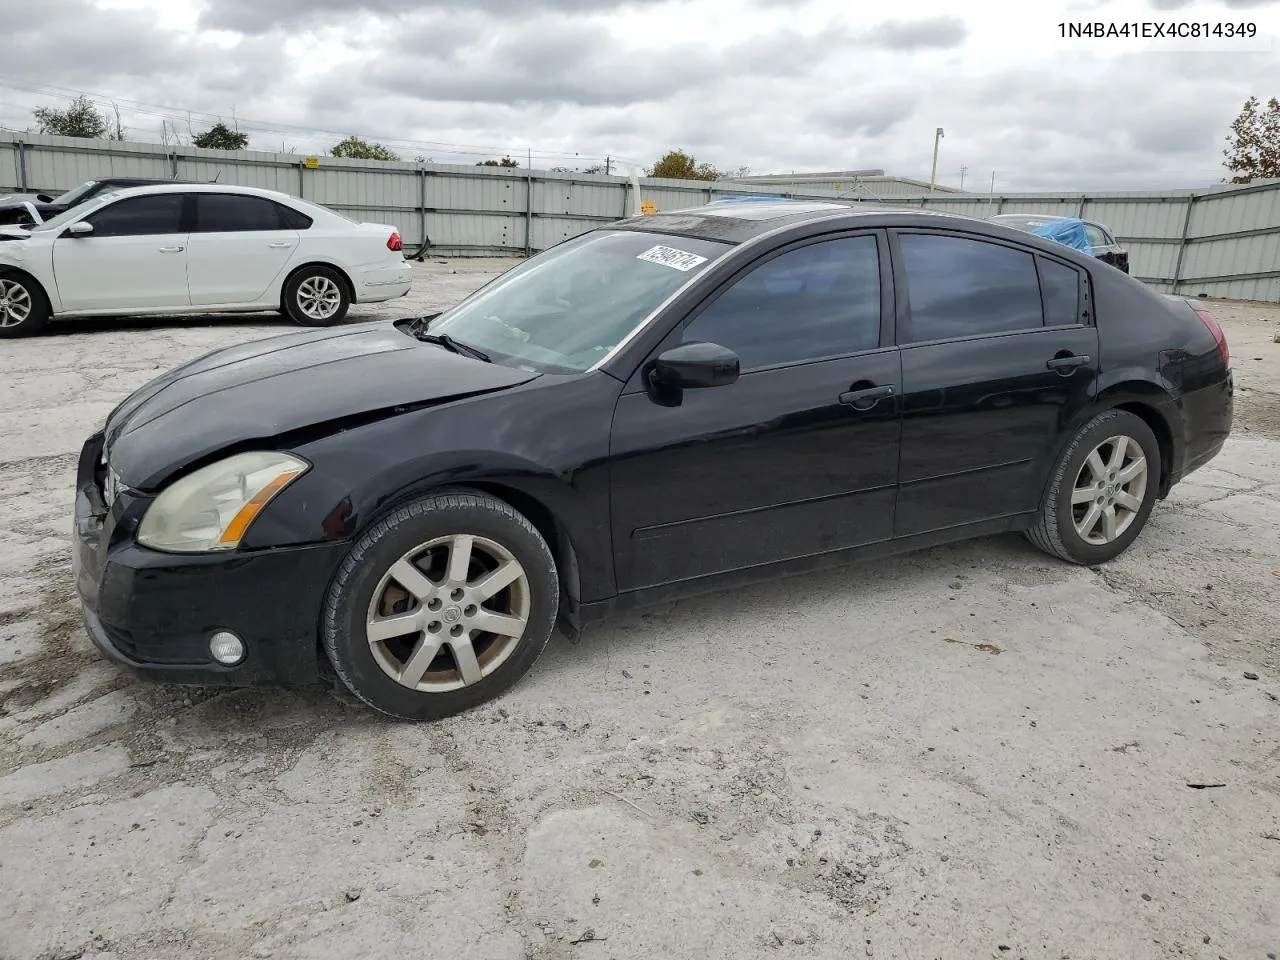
(23, 309)
(448, 613)
(441, 606)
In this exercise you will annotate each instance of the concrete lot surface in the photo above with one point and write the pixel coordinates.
(975, 751)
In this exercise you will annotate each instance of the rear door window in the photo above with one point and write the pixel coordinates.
(235, 213)
(960, 287)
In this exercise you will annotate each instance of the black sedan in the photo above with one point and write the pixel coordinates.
(1102, 241)
(672, 404)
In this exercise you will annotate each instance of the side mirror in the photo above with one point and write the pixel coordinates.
(693, 366)
(80, 229)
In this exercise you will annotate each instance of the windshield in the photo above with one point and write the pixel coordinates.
(73, 196)
(74, 213)
(563, 310)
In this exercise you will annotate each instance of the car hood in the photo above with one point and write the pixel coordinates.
(254, 393)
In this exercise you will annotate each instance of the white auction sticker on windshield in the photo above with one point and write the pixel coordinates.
(671, 257)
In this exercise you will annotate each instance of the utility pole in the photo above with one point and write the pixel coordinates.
(933, 177)
(993, 187)
(963, 171)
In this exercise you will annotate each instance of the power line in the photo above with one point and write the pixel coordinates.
(180, 116)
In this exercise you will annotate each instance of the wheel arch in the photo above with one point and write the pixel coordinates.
(7, 270)
(294, 271)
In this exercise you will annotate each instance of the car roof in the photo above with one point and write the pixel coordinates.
(171, 186)
(738, 222)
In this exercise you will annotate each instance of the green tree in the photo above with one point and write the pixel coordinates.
(81, 119)
(355, 148)
(504, 162)
(678, 165)
(1254, 142)
(221, 137)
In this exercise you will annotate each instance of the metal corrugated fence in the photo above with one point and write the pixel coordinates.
(1221, 242)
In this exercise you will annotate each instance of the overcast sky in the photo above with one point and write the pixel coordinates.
(773, 85)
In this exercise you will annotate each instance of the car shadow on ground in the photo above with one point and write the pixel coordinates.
(78, 325)
(937, 576)
(271, 318)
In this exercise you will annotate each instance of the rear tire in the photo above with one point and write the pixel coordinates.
(24, 309)
(316, 296)
(1101, 490)
(410, 624)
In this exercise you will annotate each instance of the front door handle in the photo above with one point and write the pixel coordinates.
(867, 398)
(1065, 365)
(280, 243)
(172, 249)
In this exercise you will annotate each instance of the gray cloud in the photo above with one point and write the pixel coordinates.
(262, 16)
(937, 33)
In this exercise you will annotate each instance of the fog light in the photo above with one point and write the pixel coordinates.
(227, 648)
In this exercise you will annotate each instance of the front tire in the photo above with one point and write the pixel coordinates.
(24, 310)
(1101, 490)
(442, 606)
(316, 296)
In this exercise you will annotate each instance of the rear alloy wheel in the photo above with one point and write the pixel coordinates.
(23, 308)
(316, 297)
(1101, 492)
(441, 606)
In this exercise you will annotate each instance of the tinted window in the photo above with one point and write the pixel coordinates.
(140, 216)
(1061, 286)
(960, 288)
(293, 219)
(232, 213)
(822, 300)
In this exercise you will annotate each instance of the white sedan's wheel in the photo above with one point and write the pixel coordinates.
(316, 297)
(23, 309)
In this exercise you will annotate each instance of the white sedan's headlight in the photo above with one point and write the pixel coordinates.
(212, 508)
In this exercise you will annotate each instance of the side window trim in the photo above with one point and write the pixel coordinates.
(886, 295)
(903, 323)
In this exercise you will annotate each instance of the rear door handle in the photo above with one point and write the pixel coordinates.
(280, 243)
(1066, 364)
(866, 399)
(172, 249)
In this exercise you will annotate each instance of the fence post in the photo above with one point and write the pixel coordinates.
(422, 212)
(173, 166)
(528, 214)
(302, 179)
(1080, 209)
(1182, 243)
(20, 158)
(999, 206)
(626, 198)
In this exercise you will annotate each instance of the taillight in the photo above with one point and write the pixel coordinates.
(394, 243)
(1219, 338)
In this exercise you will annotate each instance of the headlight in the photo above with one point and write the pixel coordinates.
(212, 508)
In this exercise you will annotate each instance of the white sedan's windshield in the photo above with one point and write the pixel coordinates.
(72, 196)
(79, 210)
(566, 308)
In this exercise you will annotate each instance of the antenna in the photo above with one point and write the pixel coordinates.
(217, 176)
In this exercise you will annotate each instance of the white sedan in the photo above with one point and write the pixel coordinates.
(194, 249)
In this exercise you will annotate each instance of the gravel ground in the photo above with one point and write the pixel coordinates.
(973, 751)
